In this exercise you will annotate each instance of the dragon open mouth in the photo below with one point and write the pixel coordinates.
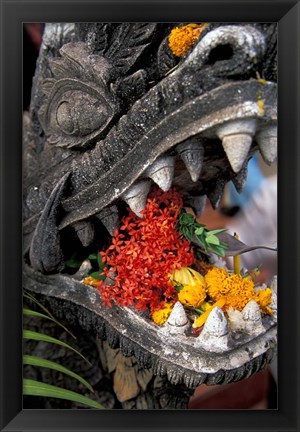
(186, 132)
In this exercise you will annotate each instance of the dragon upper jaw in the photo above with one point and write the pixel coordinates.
(199, 135)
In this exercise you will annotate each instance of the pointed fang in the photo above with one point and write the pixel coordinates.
(85, 232)
(252, 318)
(177, 322)
(236, 139)
(215, 334)
(162, 172)
(267, 142)
(198, 203)
(192, 153)
(237, 148)
(110, 218)
(136, 196)
(216, 194)
(216, 323)
(240, 179)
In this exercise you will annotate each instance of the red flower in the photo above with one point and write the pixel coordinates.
(146, 253)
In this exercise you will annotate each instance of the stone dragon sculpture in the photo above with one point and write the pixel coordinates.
(113, 111)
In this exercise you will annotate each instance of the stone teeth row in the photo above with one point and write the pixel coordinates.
(216, 333)
(236, 139)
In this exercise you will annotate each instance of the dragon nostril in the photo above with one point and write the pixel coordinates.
(221, 52)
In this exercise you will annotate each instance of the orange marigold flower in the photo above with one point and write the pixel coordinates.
(182, 39)
(236, 290)
(264, 297)
(214, 280)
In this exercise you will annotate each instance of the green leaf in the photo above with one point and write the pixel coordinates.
(72, 263)
(37, 388)
(217, 231)
(199, 231)
(34, 300)
(92, 257)
(218, 250)
(28, 334)
(37, 361)
(30, 312)
(96, 275)
(212, 239)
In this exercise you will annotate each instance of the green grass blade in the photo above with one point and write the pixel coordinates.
(37, 361)
(31, 312)
(28, 334)
(37, 388)
(33, 299)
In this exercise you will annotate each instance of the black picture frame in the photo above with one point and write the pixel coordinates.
(13, 14)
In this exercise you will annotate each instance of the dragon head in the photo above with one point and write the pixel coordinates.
(117, 108)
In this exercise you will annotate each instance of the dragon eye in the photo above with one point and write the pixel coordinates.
(75, 113)
(81, 113)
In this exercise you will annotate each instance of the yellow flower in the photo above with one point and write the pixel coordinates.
(214, 279)
(161, 315)
(192, 295)
(186, 276)
(193, 292)
(263, 298)
(236, 290)
(181, 39)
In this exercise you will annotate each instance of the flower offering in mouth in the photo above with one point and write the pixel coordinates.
(144, 251)
(149, 265)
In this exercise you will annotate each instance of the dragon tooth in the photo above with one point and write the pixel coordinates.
(216, 194)
(162, 172)
(237, 148)
(136, 196)
(192, 153)
(85, 232)
(198, 203)
(240, 179)
(267, 142)
(236, 139)
(110, 218)
(215, 334)
(216, 323)
(252, 318)
(177, 322)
